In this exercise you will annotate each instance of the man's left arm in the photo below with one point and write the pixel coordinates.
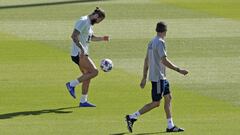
(165, 61)
(103, 38)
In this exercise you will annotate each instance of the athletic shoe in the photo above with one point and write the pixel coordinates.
(71, 89)
(86, 104)
(129, 123)
(175, 129)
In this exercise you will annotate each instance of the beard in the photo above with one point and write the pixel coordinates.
(93, 21)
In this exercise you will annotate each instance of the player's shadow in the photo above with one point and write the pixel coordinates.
(124, 133)
(152, 133)
(38, 112)
(46, 4)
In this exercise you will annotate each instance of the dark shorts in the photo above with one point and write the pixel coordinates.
(75, 59)
(159, 89)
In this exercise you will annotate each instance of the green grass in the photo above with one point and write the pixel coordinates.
(35, 65)
(220, 8)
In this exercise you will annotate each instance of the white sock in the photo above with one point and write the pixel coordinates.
(74, 83)
(135, 115)
(170, 123)
(83, 98)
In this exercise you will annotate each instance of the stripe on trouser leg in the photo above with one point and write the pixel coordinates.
(163, 87)
(158, 87)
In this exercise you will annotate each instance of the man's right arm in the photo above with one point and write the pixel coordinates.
(75, 38)
(145, 69)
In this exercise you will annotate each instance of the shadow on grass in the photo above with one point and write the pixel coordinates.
(124, 133)
(46, 4)
(38, 112)
(152, 133)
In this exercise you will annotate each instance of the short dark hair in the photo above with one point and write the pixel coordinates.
(100, 12)
(161, 27)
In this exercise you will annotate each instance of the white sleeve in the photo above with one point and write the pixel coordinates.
(161, 50)
(80, 25)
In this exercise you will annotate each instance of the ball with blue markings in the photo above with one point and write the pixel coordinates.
(106, 65)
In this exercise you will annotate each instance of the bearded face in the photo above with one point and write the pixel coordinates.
(93, 21)
(96, 19)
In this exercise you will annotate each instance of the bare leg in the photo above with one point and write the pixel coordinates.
(149, 107)
(130, 119)
(88, 68)
(167, 105)
(89, 71)
(85, 86)
(87, 76)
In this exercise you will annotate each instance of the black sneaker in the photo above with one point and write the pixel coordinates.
(175, 129)
(129, 123)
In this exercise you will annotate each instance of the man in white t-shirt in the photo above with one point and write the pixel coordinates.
(156, 61)
(81, 37)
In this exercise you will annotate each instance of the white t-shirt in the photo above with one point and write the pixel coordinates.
(85, 28)
(156, 50)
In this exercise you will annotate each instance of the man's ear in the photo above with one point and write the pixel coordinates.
(96, 16)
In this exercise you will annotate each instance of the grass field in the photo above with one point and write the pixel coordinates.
(35, 64)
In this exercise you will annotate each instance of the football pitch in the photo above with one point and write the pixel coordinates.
(203, 37)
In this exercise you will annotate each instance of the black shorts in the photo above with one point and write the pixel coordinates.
(75, 59)
(159, 89)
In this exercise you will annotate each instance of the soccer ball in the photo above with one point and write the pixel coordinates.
(106, 65)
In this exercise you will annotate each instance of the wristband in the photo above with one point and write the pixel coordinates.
(105, 38)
